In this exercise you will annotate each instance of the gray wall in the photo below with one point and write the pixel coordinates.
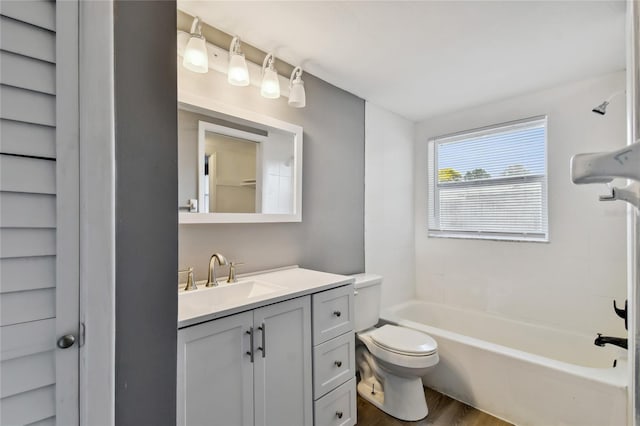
(331, 235)
(146, 217)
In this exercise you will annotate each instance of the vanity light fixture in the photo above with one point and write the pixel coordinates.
(297, 96)
(270, 87)
(196, 57)
(238, 75)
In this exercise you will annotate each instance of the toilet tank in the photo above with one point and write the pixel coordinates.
(367, 300)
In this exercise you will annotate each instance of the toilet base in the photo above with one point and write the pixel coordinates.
(400, 397)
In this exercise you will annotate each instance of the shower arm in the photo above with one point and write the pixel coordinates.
(619, 92)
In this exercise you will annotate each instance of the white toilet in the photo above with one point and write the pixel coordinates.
(391, 359)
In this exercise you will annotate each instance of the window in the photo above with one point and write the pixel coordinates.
(490, 183)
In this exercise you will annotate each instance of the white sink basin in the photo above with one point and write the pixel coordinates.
(209, 299)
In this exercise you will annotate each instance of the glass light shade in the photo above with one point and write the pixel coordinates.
(238, 74)
(297, 96)
(270, 84)
(196, 58)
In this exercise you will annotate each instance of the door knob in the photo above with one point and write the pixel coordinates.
(66, 341)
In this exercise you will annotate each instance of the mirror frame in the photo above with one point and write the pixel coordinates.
(241, 116)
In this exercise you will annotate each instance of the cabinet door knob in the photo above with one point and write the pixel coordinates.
(66, 341)
(337, 313)
(339, 414)
(338, 363)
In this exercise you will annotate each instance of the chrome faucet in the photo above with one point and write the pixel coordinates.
(212, 281)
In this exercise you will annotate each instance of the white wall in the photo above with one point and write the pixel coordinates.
(388, 219)
(569, 282)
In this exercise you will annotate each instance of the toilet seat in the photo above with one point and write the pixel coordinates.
(404, 341)
(399, 355)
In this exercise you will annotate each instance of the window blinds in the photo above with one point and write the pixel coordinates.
(490, 183)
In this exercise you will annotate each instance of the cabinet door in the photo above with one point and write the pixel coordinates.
(215, 375)
(282, 369)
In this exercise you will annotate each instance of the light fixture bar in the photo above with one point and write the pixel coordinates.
(219, 61)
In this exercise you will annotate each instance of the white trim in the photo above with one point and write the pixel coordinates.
(67, 212)
(97, 213)
(494, 129)
(185, 218)
(633, 218)
(209, 104)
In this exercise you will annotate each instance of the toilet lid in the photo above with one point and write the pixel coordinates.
(404, 340)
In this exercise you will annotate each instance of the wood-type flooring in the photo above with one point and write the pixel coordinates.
(443, 411)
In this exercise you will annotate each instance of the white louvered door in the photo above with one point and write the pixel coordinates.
(39, 227)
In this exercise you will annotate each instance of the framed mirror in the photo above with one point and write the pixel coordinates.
(236, 166)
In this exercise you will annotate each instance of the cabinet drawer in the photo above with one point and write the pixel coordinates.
(332, 313)
(333, 363)
(337, 408)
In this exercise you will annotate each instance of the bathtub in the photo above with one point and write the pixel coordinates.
(519, 372)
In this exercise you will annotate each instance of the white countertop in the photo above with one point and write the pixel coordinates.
(199, 306)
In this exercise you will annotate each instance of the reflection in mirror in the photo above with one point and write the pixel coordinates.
(228, 180)
(235, 170)
(244, 172)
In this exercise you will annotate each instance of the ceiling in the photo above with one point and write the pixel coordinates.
(425, 58)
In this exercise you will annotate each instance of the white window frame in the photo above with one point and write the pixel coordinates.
(433, 186)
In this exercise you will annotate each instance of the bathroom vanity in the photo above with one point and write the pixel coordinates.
(275, 348)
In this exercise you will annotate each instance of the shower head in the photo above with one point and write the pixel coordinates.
(601, 109)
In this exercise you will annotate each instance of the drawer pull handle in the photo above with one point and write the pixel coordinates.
(338, 363)
(337, 313)
(339, 414)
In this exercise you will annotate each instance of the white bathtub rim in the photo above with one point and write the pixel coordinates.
(616, 377)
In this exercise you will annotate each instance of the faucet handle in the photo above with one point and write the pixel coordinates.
(191, 284)
(622, 313)
(232, 271)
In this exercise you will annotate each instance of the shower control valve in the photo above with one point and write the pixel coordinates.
(622, 313)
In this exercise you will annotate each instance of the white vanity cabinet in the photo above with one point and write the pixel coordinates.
(334, 364)
(215, 375)
(252, 368)
(282, 368)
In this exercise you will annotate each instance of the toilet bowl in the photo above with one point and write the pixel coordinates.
(391, 360)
